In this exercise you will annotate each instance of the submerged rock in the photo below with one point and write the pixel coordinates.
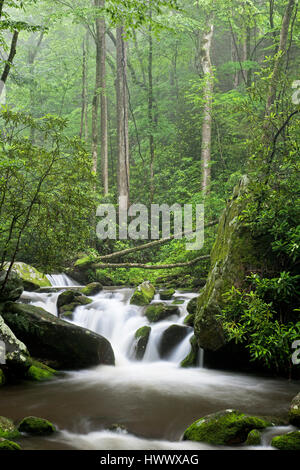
(7, 428)
(289, 441)
(36, 426)
(294, 411)
(142, 337)
(13, 288)
(171, 338)
(227, 427)
(191, 359)
(158, 312)
(92, 289)
(60, 344)
(9, 445)
(143, 294)
(167, 294)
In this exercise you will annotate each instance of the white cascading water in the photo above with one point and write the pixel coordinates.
(111, 315)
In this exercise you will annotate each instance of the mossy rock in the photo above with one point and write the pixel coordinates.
(58, 343)
(294, 411)
(16, 353)
(84, 262)
(171, 338)
(158, 312)
(68, 300)
(142, 337)
(189, 320)
(67, 297)
(192, 306)
(2, 378)
(32, 278)
(92, 289)
(143, 294)
(254, 438)
(39, 372)
(9, 445)
(167, 294)
(13, 288)
(178, 302)
(191, 359)
(229, 427)
(234, 254)
(289, 441)
(36, 426)
(7, 428)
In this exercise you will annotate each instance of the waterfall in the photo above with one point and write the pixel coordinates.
(111, 315)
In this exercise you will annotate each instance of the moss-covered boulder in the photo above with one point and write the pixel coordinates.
(158, 312)
(13, 288)
(192, 306)
(143, 294)
(289, 441)
(229, 427)
(39, 372)
(60, 344)
(7, 428)
(9, 445)
(32, 278)
(178, 302)
(234, 254)
(294, 411)
(171, 338)
(254, 438)
(36, 426)
(92, 289)
(167, 294)
(142, 337)
(191, 359)
(70, 299)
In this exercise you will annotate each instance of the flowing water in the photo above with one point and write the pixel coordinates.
(154, 400)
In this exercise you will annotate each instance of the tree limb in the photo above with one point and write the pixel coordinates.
(150, 266)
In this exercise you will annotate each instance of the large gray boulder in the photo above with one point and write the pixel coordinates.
(60, 344)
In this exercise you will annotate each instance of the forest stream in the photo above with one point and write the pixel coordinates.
(152, 401)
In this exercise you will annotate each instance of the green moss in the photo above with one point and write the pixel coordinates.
(192, 306)
(31, 277)
(290, 441)
(178, 302)
(224, 428)
(167, 294)
(8, 445)
(143, 294)
(84, 262)
(192, 357)
(142, 332)
(142, 337)
(158, 312)
(7, 428)
(36, 426)
(92, 289)
(39, 374)
(254, 438)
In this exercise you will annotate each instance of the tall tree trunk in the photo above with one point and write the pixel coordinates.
(150, 108)
(84, 99)
(101, 39)
(122, 116)
(280, 55)
(207, 113)
(11, 56)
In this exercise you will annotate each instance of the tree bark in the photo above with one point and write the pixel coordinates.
(207, 114)
(11, 56)
(84, 99)
(150, 109)
(122, 117)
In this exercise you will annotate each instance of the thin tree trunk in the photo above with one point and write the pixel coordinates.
(207, 115)
(84, 104)
(150, 109)
(11, 56)
(122, 117)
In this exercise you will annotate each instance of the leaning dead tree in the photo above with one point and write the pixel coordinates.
(100, 263)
